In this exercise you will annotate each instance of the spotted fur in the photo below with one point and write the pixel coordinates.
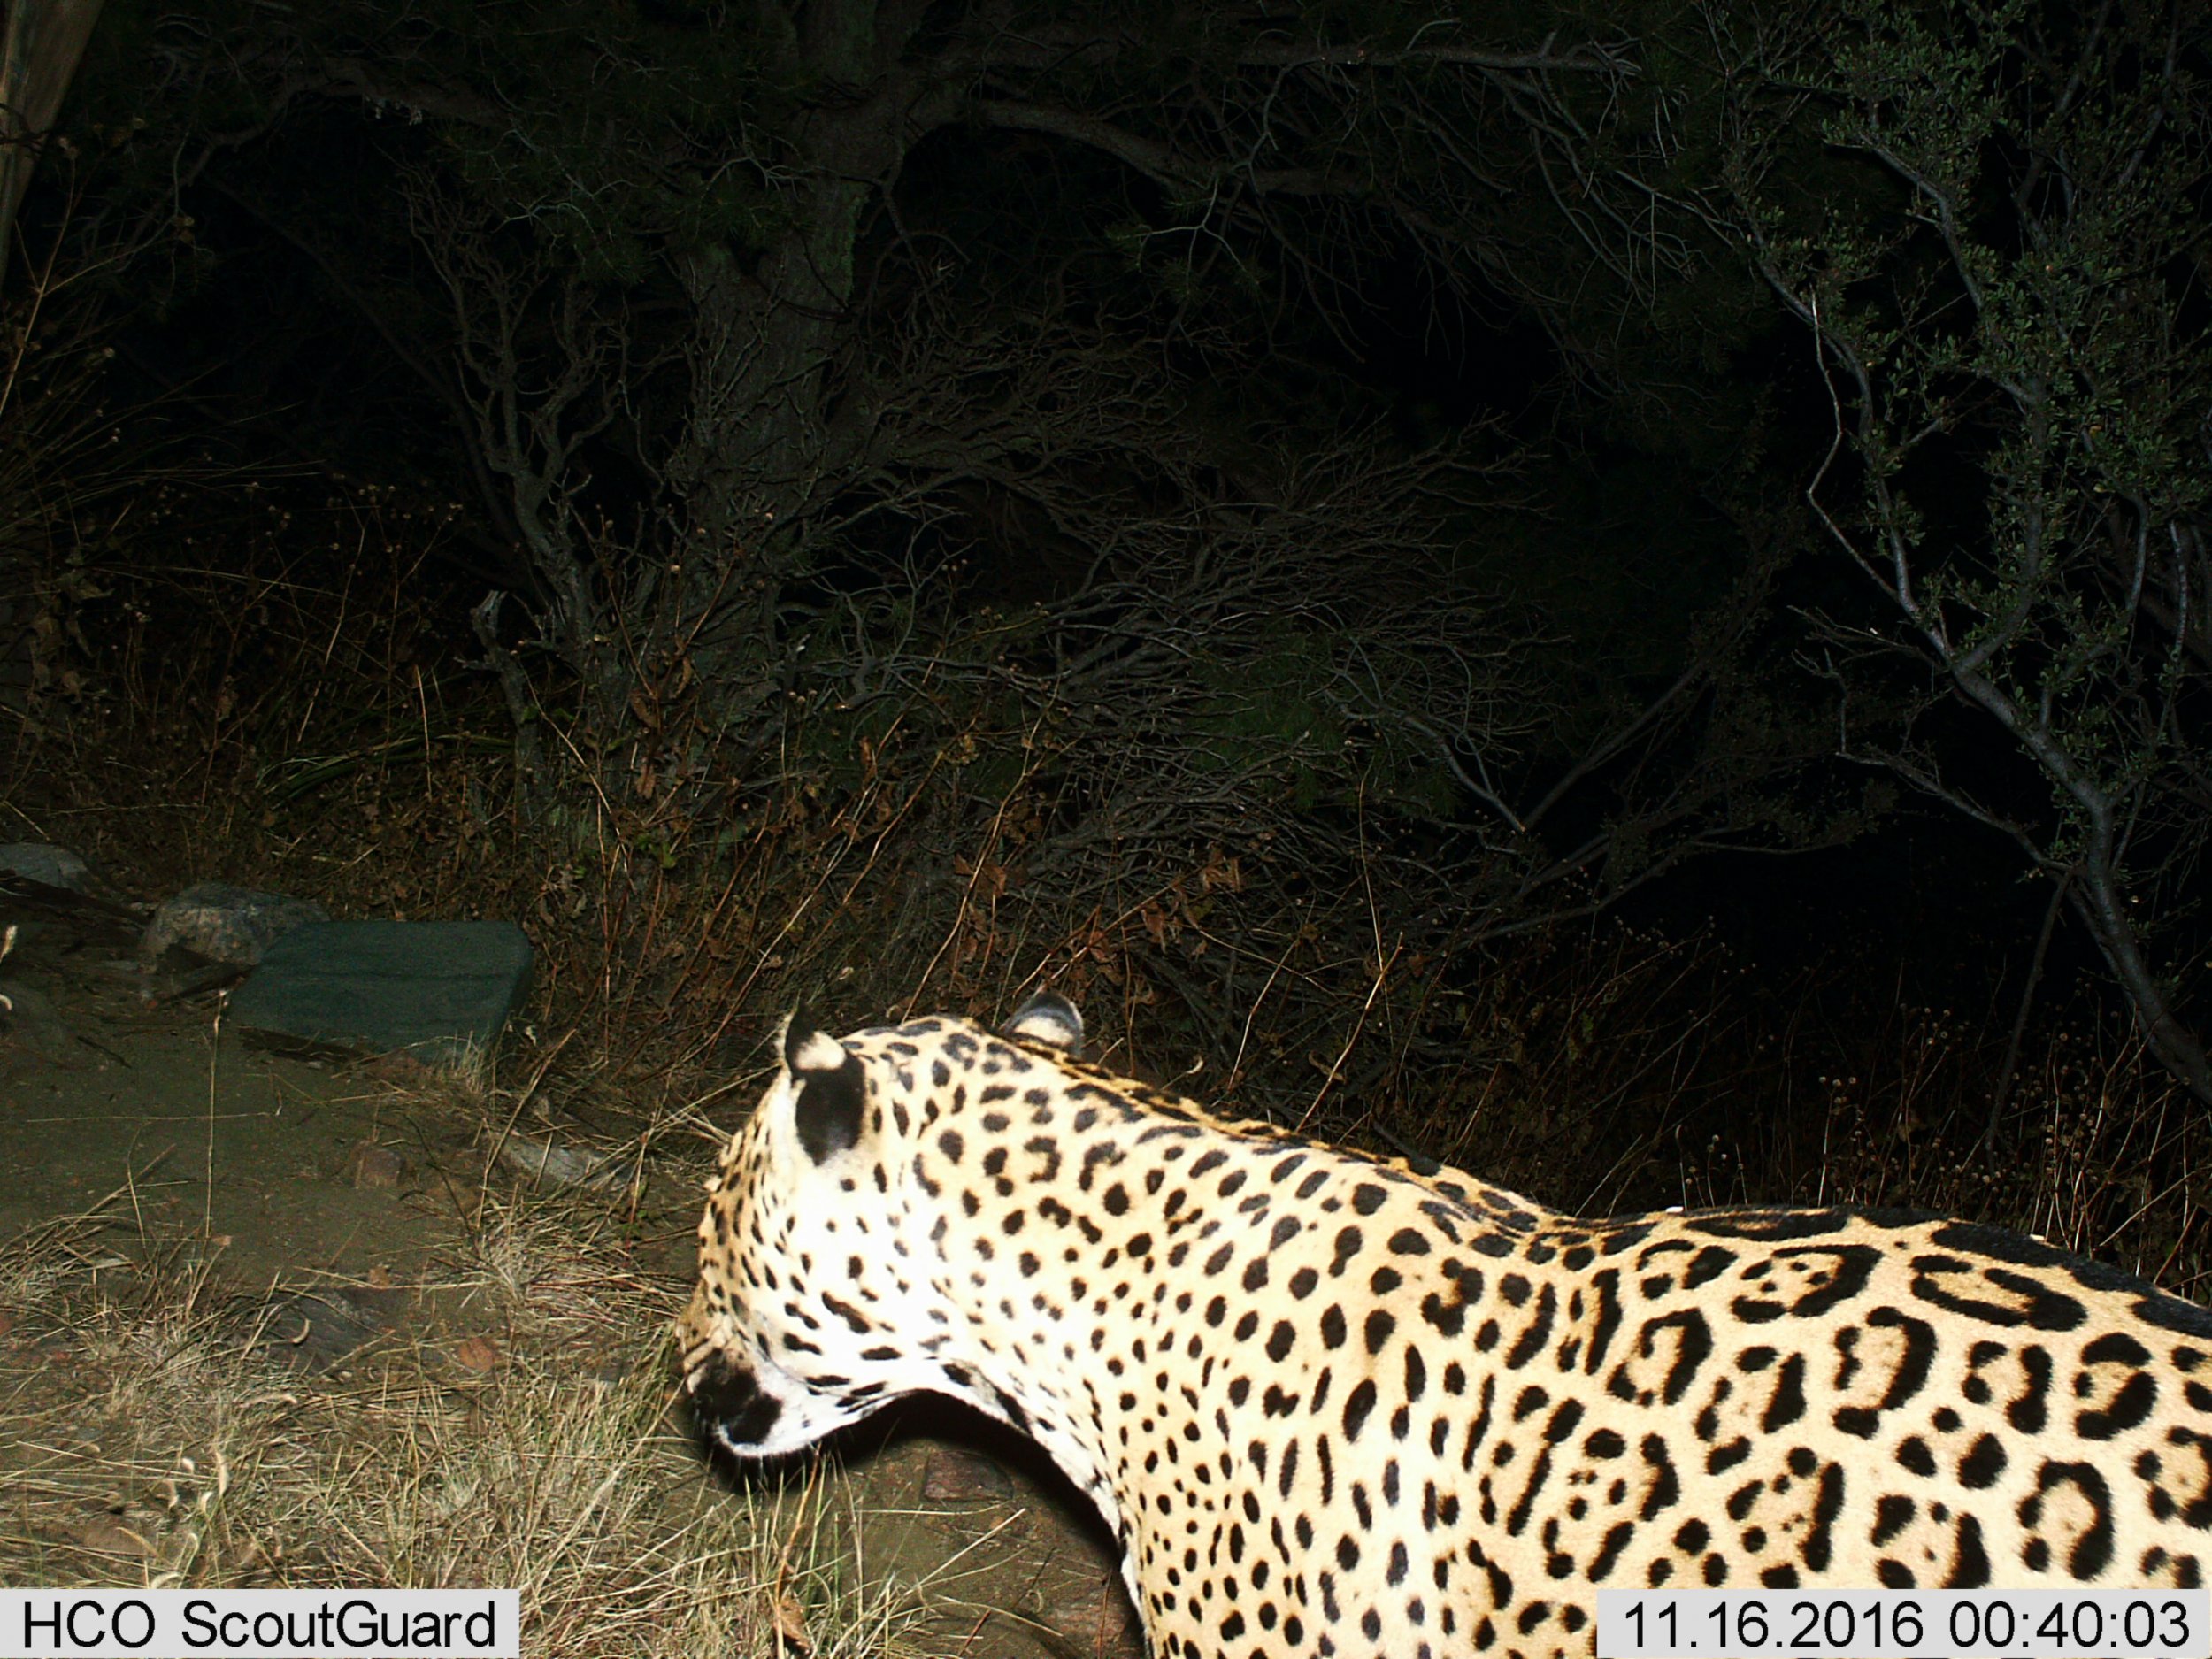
(1338, 1406)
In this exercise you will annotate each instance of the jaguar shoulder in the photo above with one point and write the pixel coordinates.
(1335, 1405)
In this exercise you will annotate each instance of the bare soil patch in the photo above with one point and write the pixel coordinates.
(269, 1319)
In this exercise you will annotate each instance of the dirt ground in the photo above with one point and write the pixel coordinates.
(329, 1201)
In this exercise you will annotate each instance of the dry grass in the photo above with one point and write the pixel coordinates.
(280, 724)
(150, 1436)
(1609, 1069)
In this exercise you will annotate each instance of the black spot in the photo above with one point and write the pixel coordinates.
(1606, 1284)
(1367, 1198)
(2092, 1550)
(1348, 1241)
(2115, 1348)
(1788, 1401)
(1721, 1459)
(1357, 1404)
(1409, 1241)
(2155, 1306)
(1949, 1283)
(1609, 1548)
(1909, 1377)
(1692, 1344)
(2128, 1407)
(1281, 1341)
(1892, 1515)
(1707, 1264)
(1983, 1461)
(1827, 1504)
(1532, 1340)
(1970, 1561)
(1770, 1226)
(2028, 1413)
(1849, 1267)
(1665, 1489)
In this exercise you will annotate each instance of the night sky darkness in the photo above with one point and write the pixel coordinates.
(1352, 446)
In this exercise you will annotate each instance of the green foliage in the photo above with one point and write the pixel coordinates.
(2012, 316)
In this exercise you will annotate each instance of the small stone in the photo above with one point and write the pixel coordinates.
(552, 1163)
(108, 1536)
(28, 1020)
(220, 923)
(478, 1353)
(317, 1330)
(401, 1071)
(378, 1169)
(954, 1476)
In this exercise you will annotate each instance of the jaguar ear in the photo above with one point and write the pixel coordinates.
(1050, 1019)
(827, 1092)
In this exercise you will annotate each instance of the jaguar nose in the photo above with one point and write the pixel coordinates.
(728, 1400)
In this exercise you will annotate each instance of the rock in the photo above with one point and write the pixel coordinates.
(223, 924)
(1103, 1624)
(378, 1169)
(558, 1165)
(318, 1329)
(478, 1353)
(441, 992)
(106, 1535)
(50, 867)
(27, 1020)
(954, 1476)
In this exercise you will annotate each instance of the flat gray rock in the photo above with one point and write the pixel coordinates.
(439, 991)
(51, 866)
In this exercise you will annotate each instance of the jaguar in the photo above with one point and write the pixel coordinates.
(1336, 1404)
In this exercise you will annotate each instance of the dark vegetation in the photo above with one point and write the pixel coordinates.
(1617, 594)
